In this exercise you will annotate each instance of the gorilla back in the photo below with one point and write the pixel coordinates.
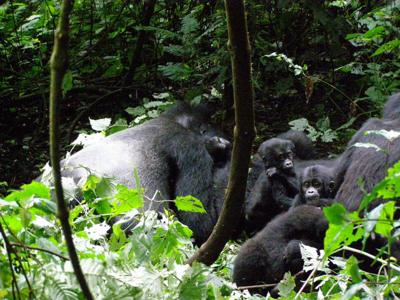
(266, 257)
(171, 160)
(367, 163)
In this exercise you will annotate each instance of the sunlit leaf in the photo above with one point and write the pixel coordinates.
(190, 204)
(126, 199)
(100, 124)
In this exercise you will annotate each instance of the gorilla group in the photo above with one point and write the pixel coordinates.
(180, 153)
(275, 249)
(176, 154)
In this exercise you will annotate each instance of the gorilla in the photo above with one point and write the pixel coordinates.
(368, 164)
(275, 188)
(266, 257)
(317, 186)
(176, 154)
(304, 151)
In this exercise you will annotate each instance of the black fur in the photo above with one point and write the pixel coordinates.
(368, 164)
(171, 157)
(265, 258)
(275, 188)
(303, 149)
(391, 111)
(317, 186)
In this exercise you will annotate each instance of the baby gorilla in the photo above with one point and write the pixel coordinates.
(266, 257)
(317, 186)
(275, 187)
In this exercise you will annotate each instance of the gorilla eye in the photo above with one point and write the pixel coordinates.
(316, 183)
(307, 184)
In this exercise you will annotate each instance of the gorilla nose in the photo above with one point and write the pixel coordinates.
(288, 164)
(311, 192)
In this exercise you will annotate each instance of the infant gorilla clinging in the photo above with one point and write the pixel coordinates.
(275, 187)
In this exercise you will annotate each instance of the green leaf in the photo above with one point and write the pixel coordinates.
(374, 32)
(156, 104)
(165, 242)
(183, 231)
(91, 183)
(329, 136)
(387, 47)
(126, 199)
(299, 124)
(190, 204)
(176, 72)
(27, 191)
(119, 125)
(353, 270)
(335, 214)
(13, 222)
(136, 111)
(341, 235)
(67, 82)
(385, 223)
(286, 286)
(189, 24)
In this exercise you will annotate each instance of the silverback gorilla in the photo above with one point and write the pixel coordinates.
(173, 155)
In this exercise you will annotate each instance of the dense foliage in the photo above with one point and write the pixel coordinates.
(320, 66)
(342, 60)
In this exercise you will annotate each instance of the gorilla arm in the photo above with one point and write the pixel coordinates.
(195, 170)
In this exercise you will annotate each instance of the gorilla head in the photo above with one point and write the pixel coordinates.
(277, 153)
(316, 183)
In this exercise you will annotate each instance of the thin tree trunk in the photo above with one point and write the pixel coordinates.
(244, 133)
(148, 11)
(58, 66)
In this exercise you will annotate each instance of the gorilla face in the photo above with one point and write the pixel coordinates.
(278, 153)
(316, 183)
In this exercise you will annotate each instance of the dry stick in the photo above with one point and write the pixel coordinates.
(58, 66)
(244, 133)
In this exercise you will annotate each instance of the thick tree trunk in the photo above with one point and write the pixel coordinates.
(244, 133)
(58, 66)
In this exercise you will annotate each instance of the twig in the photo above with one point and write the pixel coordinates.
(39, 249)
(382, 261)
(256, 286)
(58, 66)
(9, 251)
